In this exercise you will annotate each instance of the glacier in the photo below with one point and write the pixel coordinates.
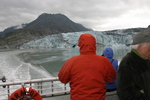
(70, 39)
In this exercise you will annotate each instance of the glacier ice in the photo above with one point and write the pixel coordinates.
(70, 39)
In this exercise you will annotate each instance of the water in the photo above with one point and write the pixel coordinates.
(33, 64)
(19, 65)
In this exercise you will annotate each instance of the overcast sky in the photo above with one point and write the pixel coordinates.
(99, 15)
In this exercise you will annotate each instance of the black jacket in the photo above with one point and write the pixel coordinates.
(133, 78)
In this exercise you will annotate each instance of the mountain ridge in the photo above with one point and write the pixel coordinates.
(45, 24)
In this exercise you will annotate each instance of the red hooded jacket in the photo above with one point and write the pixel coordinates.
(87, 72)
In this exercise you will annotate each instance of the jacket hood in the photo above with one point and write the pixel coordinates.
(108, 52)
(87, 44)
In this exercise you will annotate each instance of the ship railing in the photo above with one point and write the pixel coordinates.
(47, 87)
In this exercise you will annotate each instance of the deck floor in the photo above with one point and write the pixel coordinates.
(67, 97)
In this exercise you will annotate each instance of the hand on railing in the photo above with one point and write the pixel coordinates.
(3, 80)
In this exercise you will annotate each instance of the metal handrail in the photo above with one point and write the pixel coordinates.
(46, 87)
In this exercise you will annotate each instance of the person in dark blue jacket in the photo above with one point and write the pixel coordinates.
(108, 52)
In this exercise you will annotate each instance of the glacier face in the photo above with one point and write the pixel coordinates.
(68, 40)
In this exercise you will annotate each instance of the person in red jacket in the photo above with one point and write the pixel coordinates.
(87, 72)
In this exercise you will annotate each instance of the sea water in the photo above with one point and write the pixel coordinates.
(17, 65)
(41, 63)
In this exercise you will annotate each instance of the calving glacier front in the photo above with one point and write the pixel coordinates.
(68, 40)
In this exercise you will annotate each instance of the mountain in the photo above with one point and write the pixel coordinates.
(57, 22)
(45, 24)
(11, 29)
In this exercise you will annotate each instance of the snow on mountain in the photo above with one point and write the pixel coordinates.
(68, 40)
(19, 26)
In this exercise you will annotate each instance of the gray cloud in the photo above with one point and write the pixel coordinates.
(95, 14)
